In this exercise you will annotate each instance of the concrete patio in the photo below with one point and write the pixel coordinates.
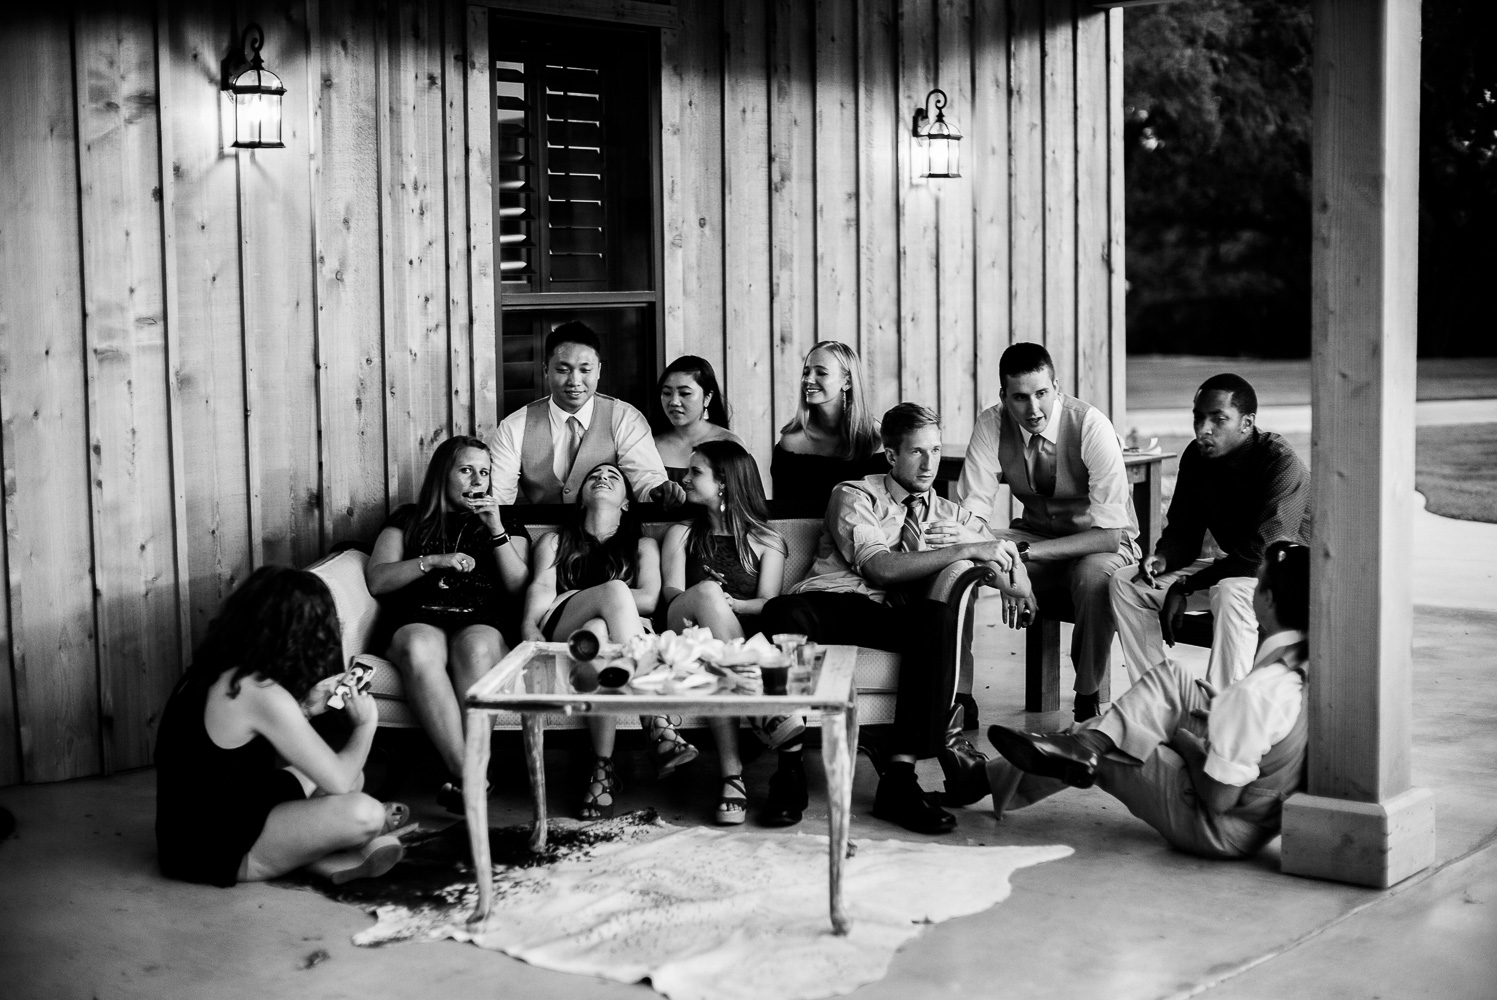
(87, 915)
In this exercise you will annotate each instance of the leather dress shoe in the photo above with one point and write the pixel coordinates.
(964, 765)
(1056, 755)
(787, 797)
(900, 799)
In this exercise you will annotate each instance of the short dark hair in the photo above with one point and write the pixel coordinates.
(1243, 396)
(904, 418)
(573, 332)
(1286, 574)
(1023, 358)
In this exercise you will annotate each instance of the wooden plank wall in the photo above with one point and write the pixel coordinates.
(928, 280)
(211, 360)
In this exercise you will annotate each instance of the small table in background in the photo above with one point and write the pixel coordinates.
(533, 681)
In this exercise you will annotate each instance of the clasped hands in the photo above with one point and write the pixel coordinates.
(1009, 575)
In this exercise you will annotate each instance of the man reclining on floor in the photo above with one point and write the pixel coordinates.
(1209, 771)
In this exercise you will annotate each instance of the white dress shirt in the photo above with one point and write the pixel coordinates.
(1249, 717)
(638, 457)
(1101, 452)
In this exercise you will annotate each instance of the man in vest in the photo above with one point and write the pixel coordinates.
(1209, 771)
(1062, 460)
(1248, 488)
(885, 537)
(544, 450)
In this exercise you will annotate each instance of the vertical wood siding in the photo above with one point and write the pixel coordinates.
(211, 360)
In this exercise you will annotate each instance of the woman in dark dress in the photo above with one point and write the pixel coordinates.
(444, 569)
(226, 810)
(692, 410)
(602, 574)
(832, 438)
(719, 571)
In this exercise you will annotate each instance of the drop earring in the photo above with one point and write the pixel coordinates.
(722, 505)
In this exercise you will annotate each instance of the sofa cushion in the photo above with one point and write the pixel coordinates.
(343, 572)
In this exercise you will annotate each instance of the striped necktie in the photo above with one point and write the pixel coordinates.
(574, 445)
(911, 537)
(1042, 466)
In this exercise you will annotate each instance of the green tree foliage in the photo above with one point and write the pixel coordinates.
(1218, 177)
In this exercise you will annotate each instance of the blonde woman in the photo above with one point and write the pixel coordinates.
(833, 436)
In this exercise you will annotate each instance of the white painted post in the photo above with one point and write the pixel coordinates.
(1362, 822)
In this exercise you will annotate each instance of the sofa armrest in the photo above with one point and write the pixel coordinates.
(953, 583)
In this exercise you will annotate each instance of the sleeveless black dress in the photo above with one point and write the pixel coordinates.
(803, 483)
(211, 803)
(723, 565)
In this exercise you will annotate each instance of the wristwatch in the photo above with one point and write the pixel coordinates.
(497, 540)
(1023, 548)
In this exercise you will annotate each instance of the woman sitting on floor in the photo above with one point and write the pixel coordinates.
(602, 574)
(692, 410)
(719, 571)
(443, 568)
(226, 811)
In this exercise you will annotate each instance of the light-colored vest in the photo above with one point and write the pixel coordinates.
(538, 482)
(1281, 772)
(1061, 514)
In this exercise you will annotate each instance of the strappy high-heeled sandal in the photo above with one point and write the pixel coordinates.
(670, 750)
(599, 800)
(732, 803)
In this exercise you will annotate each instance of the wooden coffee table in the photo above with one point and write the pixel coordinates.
(533, 681)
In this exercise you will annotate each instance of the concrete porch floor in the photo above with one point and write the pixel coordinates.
(86, 914)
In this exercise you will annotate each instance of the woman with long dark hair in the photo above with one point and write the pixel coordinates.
(833, 436)
(444, 569)
(692, 410)
(226, 810)
(601, 573)
(719, 570)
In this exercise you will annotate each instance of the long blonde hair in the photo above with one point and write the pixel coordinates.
(859, 430)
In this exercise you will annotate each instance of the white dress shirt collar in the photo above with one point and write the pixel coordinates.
(1275, 644)
(897, 493)
(584, 415)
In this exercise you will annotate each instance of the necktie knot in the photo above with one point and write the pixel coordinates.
(1041, 455)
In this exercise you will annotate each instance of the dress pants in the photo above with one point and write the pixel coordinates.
(1147, 775)
(1087, 580)
(1234, 631)
(921, 631)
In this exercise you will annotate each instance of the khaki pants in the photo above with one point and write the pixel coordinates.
(1234, 632)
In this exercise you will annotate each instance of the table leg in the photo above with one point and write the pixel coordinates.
(535, 761)
(476, 806)
(838, 760)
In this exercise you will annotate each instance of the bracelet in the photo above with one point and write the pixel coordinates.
(497, 540)
(421, 564)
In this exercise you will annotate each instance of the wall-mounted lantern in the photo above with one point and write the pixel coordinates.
(256, 94)
(937, 143)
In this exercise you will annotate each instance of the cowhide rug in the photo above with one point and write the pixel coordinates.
(696, 911)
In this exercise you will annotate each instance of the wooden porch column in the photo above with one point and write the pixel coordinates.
(1362, 822)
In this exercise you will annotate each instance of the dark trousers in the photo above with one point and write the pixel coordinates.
(922, 632)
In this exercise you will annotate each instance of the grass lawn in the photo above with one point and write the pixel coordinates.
(1455, 467)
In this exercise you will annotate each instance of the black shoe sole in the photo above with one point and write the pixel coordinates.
(781, 819)
(1029, 758)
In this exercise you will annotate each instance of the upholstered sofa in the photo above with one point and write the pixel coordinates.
(876, 673)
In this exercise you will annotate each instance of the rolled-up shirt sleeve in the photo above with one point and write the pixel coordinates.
(1107, 479)
(1244, 725)
(982, 473)
(854, 527)
(505, 444)
(638, 456)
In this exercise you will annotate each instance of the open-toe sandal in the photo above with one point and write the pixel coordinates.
(732, 802)
(370, 861)
(397, 820)
(599, 801)
(670, 750)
